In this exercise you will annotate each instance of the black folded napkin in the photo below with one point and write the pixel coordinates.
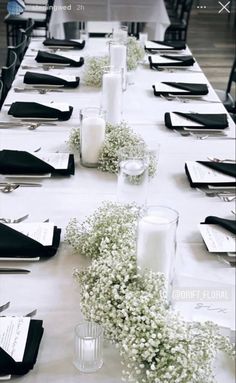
(21, 162)
(51, 58)
(8, 366)
(192, 89)
(228, 169)
(227, 224)
(209, 121)
(173, 45)
(182, 61)
(24, 109)
(64, 43)
(14, 244)
(46, 79)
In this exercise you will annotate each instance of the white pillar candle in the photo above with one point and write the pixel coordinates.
(92, 139)
(118, 60)
(112, 97)
(153, 252)
(88, 350)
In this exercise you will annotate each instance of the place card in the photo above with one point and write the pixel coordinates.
(157, 59)
(204, 300)
(180, 121)
(161, 87)
(152, 45)
(56, 160)
(61, 106)
(203, 174)
(41, 232)
(217, 239)
(13, 336)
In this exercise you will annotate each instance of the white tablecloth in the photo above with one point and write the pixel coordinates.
(50, 287)
(152, 12)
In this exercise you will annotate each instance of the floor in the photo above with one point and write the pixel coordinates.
(211, 37)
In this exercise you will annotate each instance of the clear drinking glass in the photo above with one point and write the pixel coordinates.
(88, 351)
(92, 135)
(156, 242)
(143, 37)
(112, 94)
(132, 184)
(120, 34)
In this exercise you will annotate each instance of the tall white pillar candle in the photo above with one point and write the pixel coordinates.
(112, 97)
(118, 59)
(92, 139)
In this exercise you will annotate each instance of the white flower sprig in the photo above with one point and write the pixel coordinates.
(117, 137)
(156, 345)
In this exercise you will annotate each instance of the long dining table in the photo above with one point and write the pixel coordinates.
(50, 287)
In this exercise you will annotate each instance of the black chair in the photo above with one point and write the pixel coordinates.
(41, 21)
(226, 97)
(19, 51)
(28, 31)
(8, 75)
(1, 89)
(178, 29)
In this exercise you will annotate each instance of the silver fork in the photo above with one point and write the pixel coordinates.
(227, 198)
(17, 220)
(215, 159)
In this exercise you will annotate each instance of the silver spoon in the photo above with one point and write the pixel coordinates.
(9, 188)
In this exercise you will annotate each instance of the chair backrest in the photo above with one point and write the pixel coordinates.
(232, 77)
(28, 31)
(1, 93)
(19, 50)
(186, 7)
(8, 74)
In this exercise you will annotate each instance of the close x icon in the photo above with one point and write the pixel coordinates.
(224, 7)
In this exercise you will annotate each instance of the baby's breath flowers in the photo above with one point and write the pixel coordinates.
(93, 70)
(94, 66)
(155, 344)
(109, 231)
(135, 53)
(117, 137)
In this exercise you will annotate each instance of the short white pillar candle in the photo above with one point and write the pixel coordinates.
(112, 96)
(92, 138)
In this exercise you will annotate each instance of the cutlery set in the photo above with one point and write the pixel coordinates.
(31, 124)
(199, 134)
(226, 195)
(40, 90)
(9, 187)
(186, 99)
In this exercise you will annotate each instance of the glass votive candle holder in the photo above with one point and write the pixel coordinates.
(92, 135)
(88, 350)
(143, 37)
(156, 242)
(132, 183)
